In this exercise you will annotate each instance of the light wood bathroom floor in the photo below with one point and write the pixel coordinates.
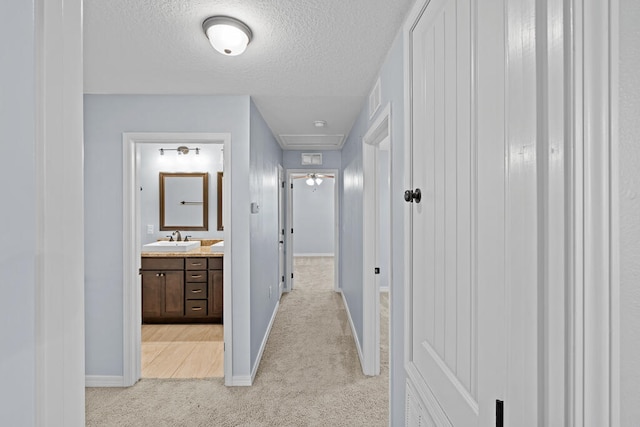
(182, 351)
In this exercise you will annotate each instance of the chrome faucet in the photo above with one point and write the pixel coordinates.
(179, 238)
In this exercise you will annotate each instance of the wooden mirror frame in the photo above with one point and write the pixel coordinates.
(205, 201)
(220, 225)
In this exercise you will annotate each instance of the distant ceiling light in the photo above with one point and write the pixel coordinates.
(313, 180)
(227, 35)
(320, 123)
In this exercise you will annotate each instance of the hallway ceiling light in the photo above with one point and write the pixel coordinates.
(320, 123)
(227, 35)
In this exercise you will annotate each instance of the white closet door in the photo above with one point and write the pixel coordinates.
(456, 233)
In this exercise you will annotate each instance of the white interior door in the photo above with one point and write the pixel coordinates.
(456, 349)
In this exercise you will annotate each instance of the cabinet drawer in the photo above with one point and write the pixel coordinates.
(215, 263)
(196, 291)
(195, 276)
(195, 263)
(152, 263)
(196, 308)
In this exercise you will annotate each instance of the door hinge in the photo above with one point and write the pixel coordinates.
(292, 231)
(292, 275)
(499, 413)
(282, 184)
(283, 278)
(292, 185)
(377, 270)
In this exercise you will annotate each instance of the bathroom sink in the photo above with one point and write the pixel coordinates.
(218, 247)
(166, 246)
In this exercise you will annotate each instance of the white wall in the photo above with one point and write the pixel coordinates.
(18, 214)
(630, 211)
(152, 163)
(313, 217)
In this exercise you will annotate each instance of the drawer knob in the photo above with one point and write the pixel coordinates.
(196, 291)
(196, 276)
(196, 308)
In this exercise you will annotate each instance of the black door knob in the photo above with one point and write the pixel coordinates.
(411, 196)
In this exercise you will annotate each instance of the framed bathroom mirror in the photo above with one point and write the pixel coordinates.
(220, 224)
(184, 201)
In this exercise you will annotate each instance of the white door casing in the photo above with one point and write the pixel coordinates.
(281, 233)
(289, 277)
(455, 345)
(131, 298)
(378, 133)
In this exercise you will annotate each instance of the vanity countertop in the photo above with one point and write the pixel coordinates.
(204, 251)
(201, 252)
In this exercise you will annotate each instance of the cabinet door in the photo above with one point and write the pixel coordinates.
(173, 294)
(152, 290)
(215, 293)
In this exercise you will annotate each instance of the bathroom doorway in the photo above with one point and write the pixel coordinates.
(182, 348)
(312, 225)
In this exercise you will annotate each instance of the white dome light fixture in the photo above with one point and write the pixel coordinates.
(227, 35)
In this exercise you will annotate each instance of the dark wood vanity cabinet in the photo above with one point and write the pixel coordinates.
(162, 287)
(181, 290)
(215, 287)
(197, 295)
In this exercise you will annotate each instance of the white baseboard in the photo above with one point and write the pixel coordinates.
(103, 381)
(353, 332)
(264, 343)
(238, 381)
(312, 254)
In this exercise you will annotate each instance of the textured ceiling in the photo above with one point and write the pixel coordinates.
(308, 60)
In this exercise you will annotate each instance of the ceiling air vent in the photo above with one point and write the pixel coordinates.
(311, 159)
(374, 99)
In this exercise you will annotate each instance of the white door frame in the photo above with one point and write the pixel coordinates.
(289, 281)
(131, 300)
(282, 260)
(378, 133)
(59, 361)
(594, 353)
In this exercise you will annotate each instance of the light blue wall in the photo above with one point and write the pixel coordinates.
(351, 214)
(18, 212)
(106, 118)
(266, 155)
(293, 159)
(392, 85)
(313, 217)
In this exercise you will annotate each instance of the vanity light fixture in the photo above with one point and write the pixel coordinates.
(181, 150)
(227, 35)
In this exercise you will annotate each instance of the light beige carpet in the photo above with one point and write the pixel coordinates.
(309, 375)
